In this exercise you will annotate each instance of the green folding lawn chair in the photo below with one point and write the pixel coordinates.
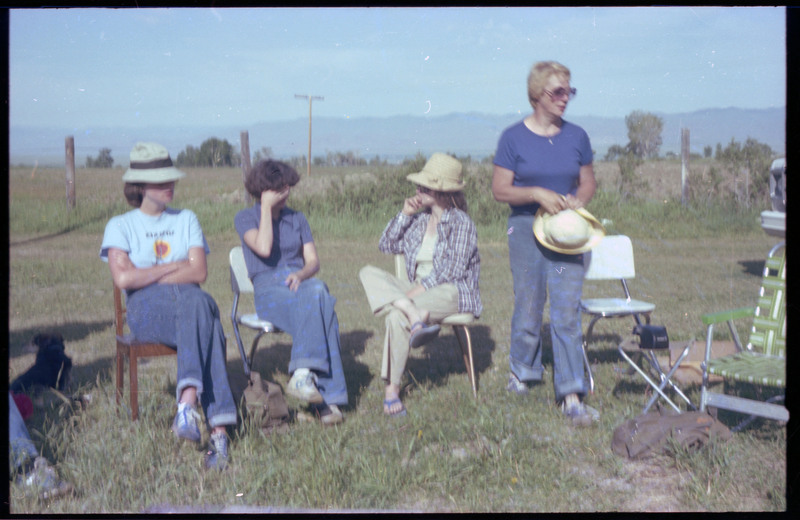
(763, 361)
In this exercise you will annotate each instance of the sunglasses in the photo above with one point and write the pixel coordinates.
(424, 190)
(562, 93)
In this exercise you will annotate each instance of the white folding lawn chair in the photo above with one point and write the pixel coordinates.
(241, 284)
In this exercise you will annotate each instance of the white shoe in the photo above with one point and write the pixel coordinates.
(303, 386)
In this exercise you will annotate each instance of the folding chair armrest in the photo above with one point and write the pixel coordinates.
(723, 316)
(727, 317)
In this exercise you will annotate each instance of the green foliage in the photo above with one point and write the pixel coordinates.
(668, 218)
(752, 160)
(103, 159)
(264, 153)
(629, 182)
(644, 133)
(213, 153)
(614, 152)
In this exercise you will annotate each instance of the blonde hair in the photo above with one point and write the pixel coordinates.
(539, 75)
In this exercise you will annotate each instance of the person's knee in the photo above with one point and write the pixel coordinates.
(395, 317)
(365, 272)
(317, 288)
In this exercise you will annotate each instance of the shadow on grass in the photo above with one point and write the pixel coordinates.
(442, 357)
(19, 339)
(602, 348)
(273, 357)
(753, 267)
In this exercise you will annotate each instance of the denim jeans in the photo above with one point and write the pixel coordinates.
(536, 271)
(20, 445)
(187, 318)
(308, 315)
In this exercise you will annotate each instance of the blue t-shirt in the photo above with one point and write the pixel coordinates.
(290, 232)
(151, 240)
(537, 162)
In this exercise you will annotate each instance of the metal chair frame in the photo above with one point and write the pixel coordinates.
(611, 259)
(241, 284)
(459, 322)
(763, 360)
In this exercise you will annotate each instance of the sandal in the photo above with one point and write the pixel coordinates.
(387, 403)
(423, 334)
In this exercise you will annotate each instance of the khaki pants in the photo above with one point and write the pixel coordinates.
(382, 290)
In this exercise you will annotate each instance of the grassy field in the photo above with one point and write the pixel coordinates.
(452, 453)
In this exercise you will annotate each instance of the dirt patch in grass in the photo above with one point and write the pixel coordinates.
(648, 486)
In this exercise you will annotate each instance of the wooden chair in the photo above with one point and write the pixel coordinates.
(129, 347)
(763, 361)
(460, 323)
(611, 259)
(241, 284)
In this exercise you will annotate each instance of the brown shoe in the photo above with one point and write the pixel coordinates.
(330, 415)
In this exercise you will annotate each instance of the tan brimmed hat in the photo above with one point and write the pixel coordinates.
(150, 162)
(441, 173)
(571, 232)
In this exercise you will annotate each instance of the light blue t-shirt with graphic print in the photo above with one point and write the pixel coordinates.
(150, 240)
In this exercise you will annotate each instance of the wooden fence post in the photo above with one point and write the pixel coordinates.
(245, 139)
(684, 165)
(69, 145)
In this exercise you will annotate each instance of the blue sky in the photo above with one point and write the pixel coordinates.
(164, 67)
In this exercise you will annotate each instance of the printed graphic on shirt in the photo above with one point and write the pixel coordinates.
(161, 250)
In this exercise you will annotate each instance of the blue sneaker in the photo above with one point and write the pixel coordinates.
(41, 478)
(303, 386)
(185, 424)
(515, 386)
(580, 415)
(217, 454)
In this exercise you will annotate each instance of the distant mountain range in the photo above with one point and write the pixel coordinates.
(393, 138)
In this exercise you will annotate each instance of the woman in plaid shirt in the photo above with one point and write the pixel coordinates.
(440, 245)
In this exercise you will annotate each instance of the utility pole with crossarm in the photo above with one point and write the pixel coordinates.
(310, 101)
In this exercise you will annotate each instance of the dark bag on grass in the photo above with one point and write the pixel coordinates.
(647, 434)
(266, 405)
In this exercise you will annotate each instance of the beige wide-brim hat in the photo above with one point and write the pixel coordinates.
(571, 232)
(441, 173)
(150, 162)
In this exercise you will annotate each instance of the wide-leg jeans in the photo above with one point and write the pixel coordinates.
(187, 318)
(536, 271)
(308, 315)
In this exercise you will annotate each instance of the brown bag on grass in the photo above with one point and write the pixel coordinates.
(647, 434)
(266, 405)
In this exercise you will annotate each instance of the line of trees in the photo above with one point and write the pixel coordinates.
(103, 159)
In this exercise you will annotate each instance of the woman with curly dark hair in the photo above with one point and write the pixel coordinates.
(281, 261)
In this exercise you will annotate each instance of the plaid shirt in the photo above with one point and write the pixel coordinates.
(455, 258)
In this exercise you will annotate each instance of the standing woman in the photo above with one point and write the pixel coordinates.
(545, 161)
(281, 261)
(157, 254)
(440, 245)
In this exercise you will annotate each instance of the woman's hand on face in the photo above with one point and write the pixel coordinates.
(412, 205)
(293, 282)
(552, 202)
(272, 198)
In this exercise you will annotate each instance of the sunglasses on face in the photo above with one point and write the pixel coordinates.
(562, 93)
(424, 190)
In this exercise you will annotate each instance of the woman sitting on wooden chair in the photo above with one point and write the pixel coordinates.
(440, 245)
(157, 254)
